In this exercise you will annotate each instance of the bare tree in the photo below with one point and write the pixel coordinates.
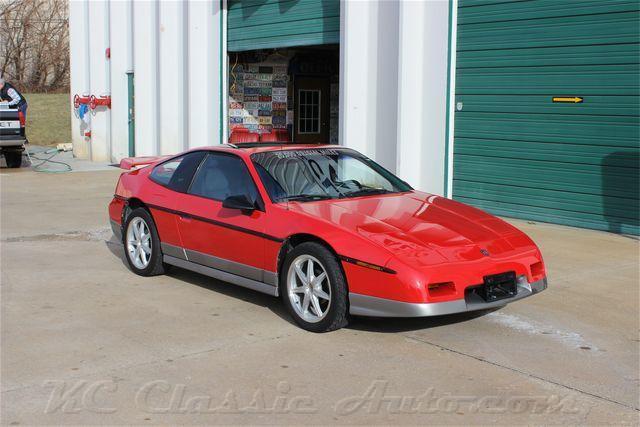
(34, 44)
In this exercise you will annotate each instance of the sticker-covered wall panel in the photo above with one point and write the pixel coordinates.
(258, 95)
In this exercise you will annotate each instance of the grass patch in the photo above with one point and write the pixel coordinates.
(48, 118)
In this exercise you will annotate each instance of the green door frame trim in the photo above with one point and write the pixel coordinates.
(448, 103)
(222, 73)
(131, 114)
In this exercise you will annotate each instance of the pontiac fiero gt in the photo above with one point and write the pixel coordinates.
(325, 228)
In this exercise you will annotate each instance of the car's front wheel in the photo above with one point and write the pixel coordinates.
(314, 288)
(142, 244)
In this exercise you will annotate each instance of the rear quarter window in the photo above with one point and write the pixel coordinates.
(163, 172)
(176, 174)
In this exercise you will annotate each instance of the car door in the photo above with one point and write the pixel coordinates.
(169, 179)
(225, 239)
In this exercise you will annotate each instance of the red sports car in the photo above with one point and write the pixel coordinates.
(324, 227)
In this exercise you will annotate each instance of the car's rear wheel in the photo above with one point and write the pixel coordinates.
(13, 158)
(142, 244)
(314, 288)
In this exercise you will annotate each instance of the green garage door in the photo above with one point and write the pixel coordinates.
(262, 24)
(519, 152)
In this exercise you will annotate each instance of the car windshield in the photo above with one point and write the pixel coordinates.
(327, 173)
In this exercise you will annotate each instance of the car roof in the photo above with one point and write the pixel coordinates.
(261, 147)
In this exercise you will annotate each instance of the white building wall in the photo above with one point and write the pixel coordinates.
(368, 78)
(393, 79)
(204, 73)
(145, 65)
(79, 70)
(422, 94)
(172, 72)
(100, 79)
(121, 12)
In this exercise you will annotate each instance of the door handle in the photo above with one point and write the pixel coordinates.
(185, 217)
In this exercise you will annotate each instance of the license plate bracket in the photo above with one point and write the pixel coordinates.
(498, 286)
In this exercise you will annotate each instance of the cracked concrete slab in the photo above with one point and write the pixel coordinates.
(85, 341)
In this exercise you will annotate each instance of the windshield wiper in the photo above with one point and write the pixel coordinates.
(305, 197)
(368, 191)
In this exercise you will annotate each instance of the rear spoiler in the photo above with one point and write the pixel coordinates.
(134, 162)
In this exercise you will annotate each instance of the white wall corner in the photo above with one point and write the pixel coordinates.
(422, 94)
(145, 64)
(368, 75)
(79, 71)
(121, 51)
(204, 73)
(172, 85)
(100, 84)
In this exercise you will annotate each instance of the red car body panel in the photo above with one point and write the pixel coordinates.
(392, 246)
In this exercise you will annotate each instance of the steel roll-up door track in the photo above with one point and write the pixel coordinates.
(264, 24)
(547, 111)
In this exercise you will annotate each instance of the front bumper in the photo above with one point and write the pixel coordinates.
(365, 305)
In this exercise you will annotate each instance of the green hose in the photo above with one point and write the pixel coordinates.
(39, 166)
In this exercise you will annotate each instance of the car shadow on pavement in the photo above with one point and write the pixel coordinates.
(366, 324)
(228, 289)
(405, 324)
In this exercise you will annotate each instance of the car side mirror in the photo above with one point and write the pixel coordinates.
(239, 201)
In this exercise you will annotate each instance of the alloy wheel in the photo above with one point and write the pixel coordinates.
(309, 288)
(139, 243)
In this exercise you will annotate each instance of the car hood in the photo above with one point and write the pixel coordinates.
(422, 228)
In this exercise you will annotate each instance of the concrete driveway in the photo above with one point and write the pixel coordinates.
(85, 341)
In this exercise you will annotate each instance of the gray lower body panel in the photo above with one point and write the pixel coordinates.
(221, 269)
(217, 263)
(224, 265)
(365, 305)
(222, 275)
(174, 251)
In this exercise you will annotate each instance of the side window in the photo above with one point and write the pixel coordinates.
(177, 173)
(221, 176)
(164, 171)
(181, 179)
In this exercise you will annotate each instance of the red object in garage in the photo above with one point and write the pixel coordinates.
(276, 135)
(241, 134)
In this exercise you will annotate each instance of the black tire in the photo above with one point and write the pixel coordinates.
(155, 265)
(337, 315)
(13, 158)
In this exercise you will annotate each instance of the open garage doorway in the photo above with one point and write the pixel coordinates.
(284, 95)
(283, 74)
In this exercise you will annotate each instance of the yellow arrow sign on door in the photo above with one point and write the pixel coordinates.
(572, 99)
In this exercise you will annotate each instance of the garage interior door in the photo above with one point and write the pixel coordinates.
(263, 24)
(518, 152)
